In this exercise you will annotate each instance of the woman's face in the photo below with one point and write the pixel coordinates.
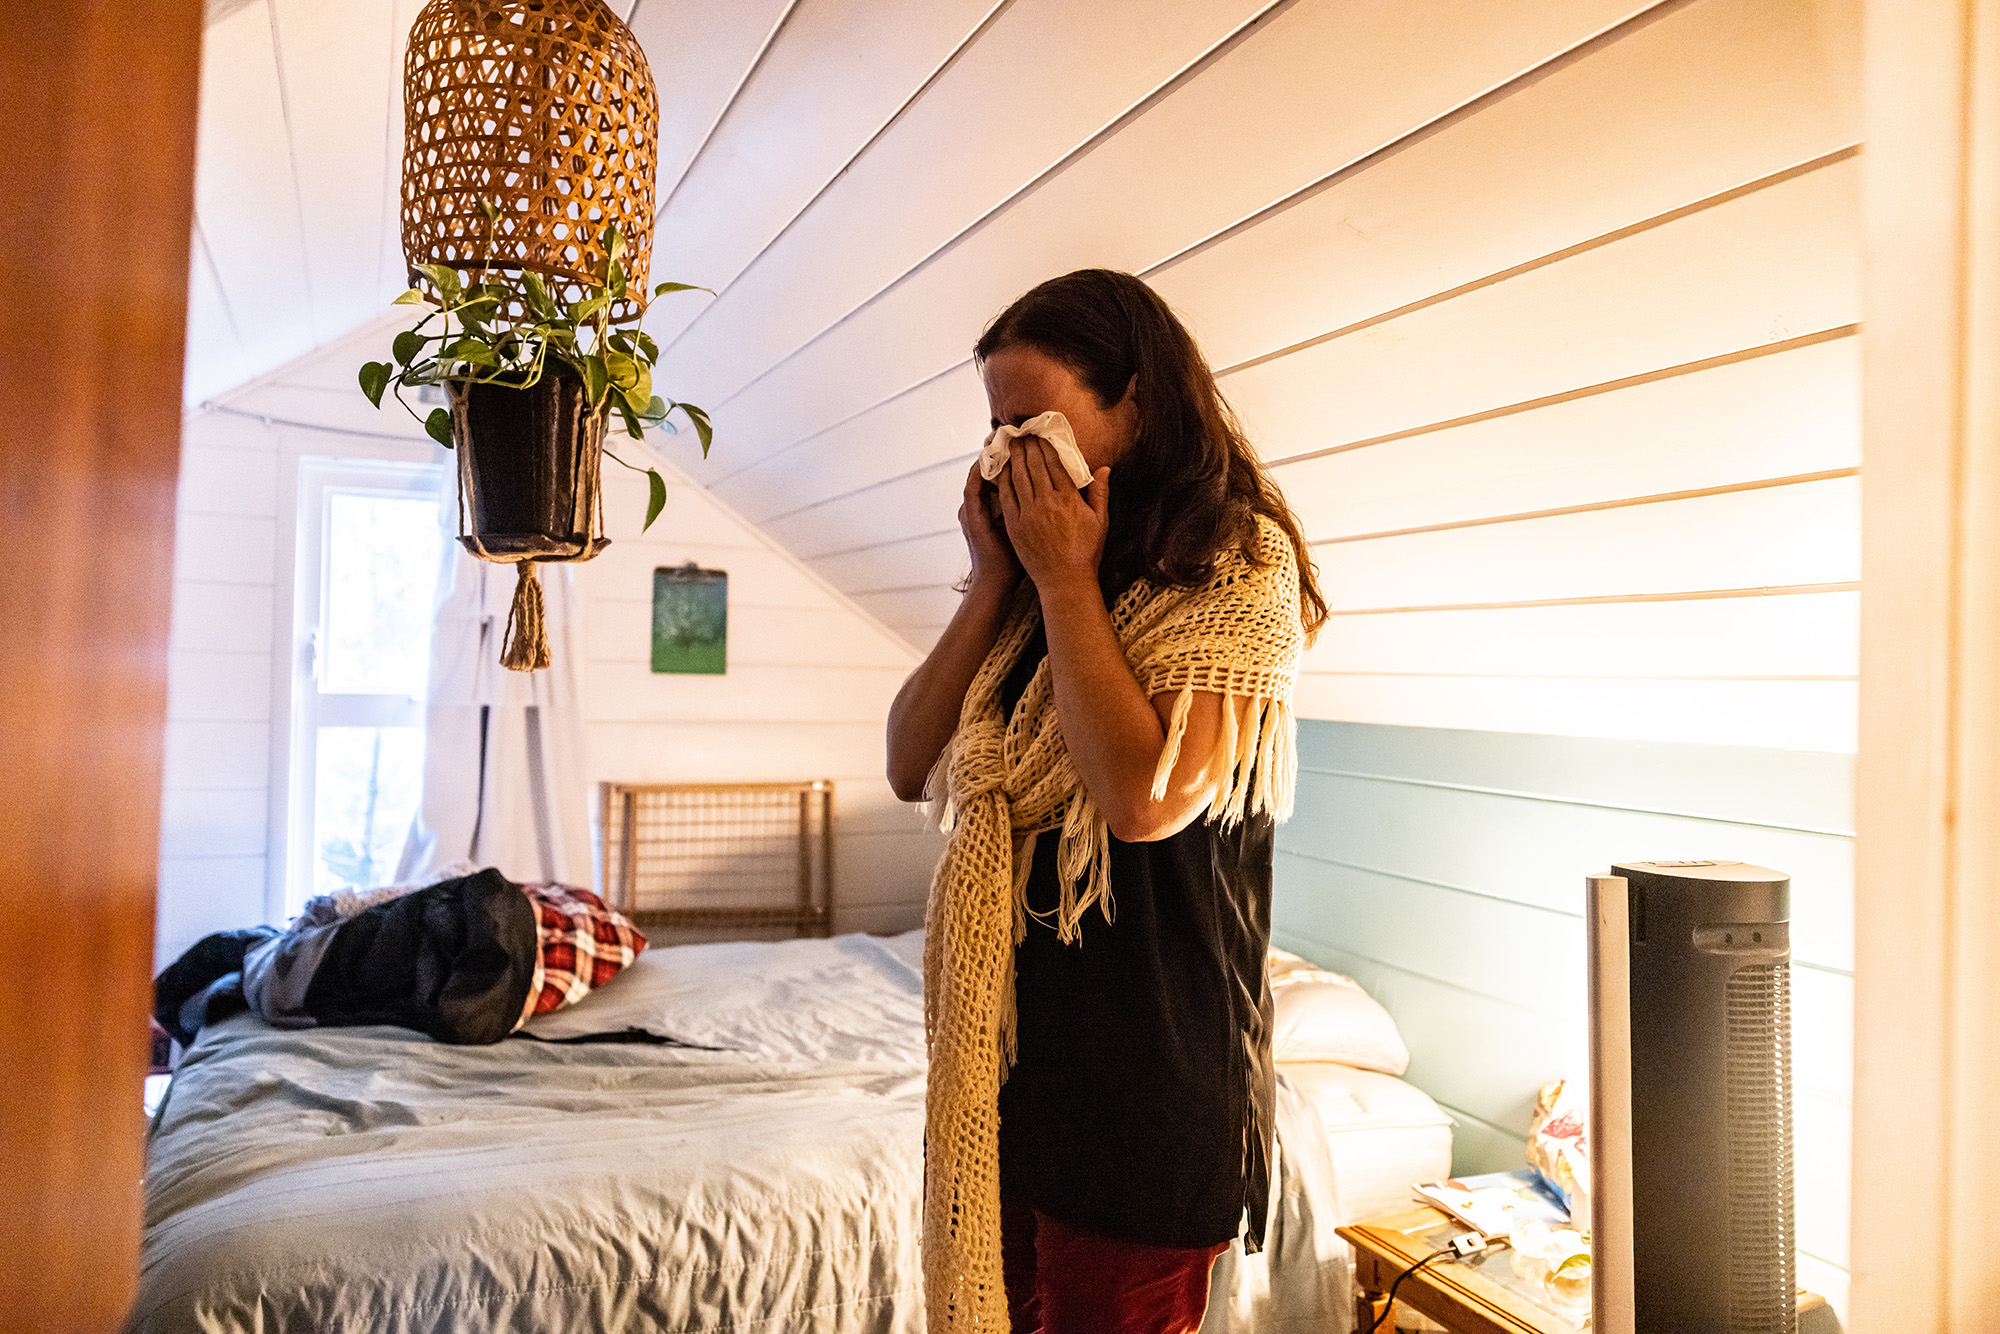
(1022, 382)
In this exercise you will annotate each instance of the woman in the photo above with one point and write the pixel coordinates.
(1108, 719)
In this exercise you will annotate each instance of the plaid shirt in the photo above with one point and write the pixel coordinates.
(582, 944)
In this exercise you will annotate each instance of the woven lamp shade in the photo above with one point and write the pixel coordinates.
(545, 107)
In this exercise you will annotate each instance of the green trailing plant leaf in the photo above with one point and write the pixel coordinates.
(540, 303)
(474, 313)
(639, 407)
(656, 497)
(375, 379)
(595, 379)
(511, 330)
(632, 426)
(702, 427)
(473, 351)
(445, 278)
(623, 370)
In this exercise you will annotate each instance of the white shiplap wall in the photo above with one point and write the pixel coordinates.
(808, 688)
(1568, 259)
(809, 681)
(1431, 863)
(215, 819)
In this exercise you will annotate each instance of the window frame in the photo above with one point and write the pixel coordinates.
(320, 479)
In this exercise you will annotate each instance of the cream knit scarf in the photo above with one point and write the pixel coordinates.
(1004, 780)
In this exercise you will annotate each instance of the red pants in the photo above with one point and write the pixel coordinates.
(1062, 1281)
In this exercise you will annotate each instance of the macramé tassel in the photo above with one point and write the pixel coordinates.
(527, 646)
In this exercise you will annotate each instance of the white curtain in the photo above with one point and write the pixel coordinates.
(503, 756)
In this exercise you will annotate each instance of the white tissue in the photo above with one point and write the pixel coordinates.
(1050, 426)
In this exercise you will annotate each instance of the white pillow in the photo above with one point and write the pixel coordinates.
(850, 998)
(1322, 1016)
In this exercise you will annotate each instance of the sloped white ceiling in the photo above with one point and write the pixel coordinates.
(1543, 315)
(296, 183)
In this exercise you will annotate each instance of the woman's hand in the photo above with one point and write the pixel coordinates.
(993, 560)
(926, 709)
(1057, 535)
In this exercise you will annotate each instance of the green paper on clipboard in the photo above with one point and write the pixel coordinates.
(690, 620)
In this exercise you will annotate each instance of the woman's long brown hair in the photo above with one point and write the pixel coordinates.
(1191, 486)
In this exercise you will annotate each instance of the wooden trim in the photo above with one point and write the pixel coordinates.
(97, 207)
(1927, 902)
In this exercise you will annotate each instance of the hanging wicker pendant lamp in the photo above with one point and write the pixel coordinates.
(546, 107)
(546, 111)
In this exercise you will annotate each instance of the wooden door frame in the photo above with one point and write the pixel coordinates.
(96, 203)
(1927, 912)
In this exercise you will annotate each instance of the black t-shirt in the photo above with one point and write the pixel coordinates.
(1140, 1106)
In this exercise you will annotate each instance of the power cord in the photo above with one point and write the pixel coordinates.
(1459, 1248)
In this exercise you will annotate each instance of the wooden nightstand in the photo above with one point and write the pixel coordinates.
(1467, 1298)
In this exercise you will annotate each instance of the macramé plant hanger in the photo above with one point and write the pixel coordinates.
(529, 156)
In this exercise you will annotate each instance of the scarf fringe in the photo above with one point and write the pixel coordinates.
(1176, 733)
(1259, 760)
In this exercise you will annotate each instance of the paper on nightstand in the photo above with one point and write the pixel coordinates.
(1495, 1202)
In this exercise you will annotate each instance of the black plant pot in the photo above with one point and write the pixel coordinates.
(529, 463)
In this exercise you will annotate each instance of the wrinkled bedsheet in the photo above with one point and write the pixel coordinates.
(369, 1179)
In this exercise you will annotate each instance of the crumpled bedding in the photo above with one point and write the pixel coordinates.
(368, 1179)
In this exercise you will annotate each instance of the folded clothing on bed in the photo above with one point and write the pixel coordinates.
(581, 945)
(467, 960)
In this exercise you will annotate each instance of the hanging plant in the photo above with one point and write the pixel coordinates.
(529, 160)
(510, 331)
(532, 382)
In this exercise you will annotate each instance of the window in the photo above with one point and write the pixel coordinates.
(369, 552)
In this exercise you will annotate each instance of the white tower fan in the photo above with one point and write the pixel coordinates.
(1692, 1227)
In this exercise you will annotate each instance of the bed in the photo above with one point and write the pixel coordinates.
(760, 1170)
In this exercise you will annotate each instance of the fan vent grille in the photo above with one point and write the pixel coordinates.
(1762, 1230)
